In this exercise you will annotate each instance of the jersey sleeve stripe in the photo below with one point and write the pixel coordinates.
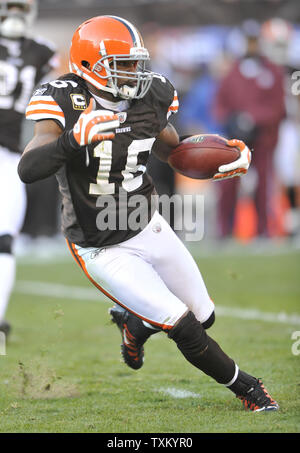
(48, 116)
(42, 98)
(48, 107)
(44, 111)
(43, 114)
(43, 102)
(44, 107)
(175, 104)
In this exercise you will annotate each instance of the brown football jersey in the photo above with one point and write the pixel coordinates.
(106, 192)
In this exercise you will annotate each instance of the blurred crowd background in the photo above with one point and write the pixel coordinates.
(235, 66)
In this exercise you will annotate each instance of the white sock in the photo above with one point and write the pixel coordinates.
(234, 377)
(7, 279)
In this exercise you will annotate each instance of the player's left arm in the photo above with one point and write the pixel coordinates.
(165, 142)
(169, 139)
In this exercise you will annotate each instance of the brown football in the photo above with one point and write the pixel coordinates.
(200, 156)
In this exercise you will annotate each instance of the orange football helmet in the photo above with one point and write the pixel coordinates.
(98, 47)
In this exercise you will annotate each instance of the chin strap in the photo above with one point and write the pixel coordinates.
(127, 92)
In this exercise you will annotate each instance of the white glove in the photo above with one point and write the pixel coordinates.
(240, 166)
(94, 125)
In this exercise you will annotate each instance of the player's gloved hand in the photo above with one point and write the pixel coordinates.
(240, 166)
(93, 126)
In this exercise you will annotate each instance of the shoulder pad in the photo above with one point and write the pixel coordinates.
(163, 90)
(56, 99)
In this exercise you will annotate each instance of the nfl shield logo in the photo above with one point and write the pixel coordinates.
(122, 117)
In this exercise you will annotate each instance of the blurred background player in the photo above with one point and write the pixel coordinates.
(250, 104)
(277, 35)
(24, 61)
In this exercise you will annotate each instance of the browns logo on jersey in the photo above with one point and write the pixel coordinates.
(109, 170)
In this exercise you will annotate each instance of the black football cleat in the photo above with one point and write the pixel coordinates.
(134, 334)
(5, 327)
(257, 399)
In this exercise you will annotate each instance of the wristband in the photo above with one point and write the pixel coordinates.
(72, 142)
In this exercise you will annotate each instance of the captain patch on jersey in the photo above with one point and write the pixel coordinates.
(78, 101)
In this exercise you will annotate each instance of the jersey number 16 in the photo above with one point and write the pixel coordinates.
(132, 173)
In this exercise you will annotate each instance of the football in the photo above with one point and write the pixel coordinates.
(200, 156)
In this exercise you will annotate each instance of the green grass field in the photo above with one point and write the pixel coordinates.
(62, 370)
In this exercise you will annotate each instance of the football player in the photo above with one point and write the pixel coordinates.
(95, 128)
(23, 64)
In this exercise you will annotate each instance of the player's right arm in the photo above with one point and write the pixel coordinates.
(45, 131)
(47, 151)
(51, 147)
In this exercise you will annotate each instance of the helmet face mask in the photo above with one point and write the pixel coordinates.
(139, 81)
(108, 52)
(17, 16)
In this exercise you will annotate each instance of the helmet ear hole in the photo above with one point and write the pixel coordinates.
(86, 64)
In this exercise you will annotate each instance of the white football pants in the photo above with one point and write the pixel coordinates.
(12, 213)
(152, 275)
(12, 194)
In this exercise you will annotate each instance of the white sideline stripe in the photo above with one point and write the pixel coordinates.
(57, 290)
(177, 393)
(257, 315)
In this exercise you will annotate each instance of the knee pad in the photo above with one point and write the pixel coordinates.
(6, 242)
(189, 335)
(209, 322)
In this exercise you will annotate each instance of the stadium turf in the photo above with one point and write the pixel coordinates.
(62, 371)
